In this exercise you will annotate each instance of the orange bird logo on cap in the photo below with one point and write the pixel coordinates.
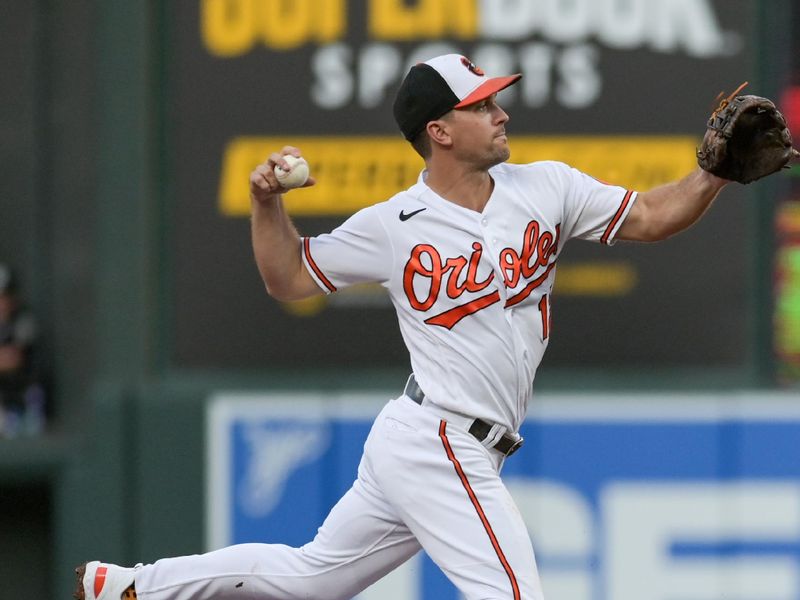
(471, 66)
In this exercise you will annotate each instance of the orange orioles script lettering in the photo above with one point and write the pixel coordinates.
(426, 263)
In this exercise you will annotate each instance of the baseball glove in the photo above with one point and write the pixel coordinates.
(746, 139)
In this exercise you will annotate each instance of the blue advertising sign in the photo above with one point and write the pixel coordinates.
(662, 497)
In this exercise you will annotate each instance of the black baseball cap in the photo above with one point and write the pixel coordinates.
(437, 86)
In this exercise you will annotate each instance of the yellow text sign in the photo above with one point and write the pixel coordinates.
(356, 171)
(232, 28)
(428, 19)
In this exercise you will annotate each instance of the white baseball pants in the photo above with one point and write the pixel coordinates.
(422, 482)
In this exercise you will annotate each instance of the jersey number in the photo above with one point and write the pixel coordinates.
(544, 309)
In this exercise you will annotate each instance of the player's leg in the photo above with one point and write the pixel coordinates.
(446, 487)
(360, 541)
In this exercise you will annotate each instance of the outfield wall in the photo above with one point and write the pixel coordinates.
(628, 497)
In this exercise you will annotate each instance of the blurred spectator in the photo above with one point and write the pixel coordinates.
(21, 393)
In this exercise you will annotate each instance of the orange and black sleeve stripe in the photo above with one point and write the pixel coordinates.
(317, 271)
(617, 216)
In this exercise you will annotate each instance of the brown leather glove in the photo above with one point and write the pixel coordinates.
(746, 139)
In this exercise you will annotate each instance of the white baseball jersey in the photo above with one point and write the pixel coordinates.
(472, 294)
(472, 290)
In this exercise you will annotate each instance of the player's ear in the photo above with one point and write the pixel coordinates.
(439, 132)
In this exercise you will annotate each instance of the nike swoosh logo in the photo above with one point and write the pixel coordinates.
(406, 216)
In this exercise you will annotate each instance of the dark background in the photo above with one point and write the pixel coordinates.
(113, 123)
(689, 309)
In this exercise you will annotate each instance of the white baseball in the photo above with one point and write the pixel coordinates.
(297, 173)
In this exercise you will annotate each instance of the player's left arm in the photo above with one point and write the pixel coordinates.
(670, 208)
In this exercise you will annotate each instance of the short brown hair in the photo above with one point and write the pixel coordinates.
(422, 144)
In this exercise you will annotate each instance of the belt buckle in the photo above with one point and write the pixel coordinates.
(515, 446)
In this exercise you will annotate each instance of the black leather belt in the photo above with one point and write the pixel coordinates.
(479, 429)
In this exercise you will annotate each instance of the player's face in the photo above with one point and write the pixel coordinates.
(479, 135)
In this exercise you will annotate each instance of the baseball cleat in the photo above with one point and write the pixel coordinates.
(104, 581)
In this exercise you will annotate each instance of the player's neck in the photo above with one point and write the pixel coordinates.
(468, 188)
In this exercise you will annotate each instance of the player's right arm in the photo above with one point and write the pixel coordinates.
(276, 243)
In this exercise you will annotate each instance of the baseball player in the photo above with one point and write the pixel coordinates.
(468, 255)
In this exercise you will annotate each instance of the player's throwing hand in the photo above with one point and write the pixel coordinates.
(264, 183)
